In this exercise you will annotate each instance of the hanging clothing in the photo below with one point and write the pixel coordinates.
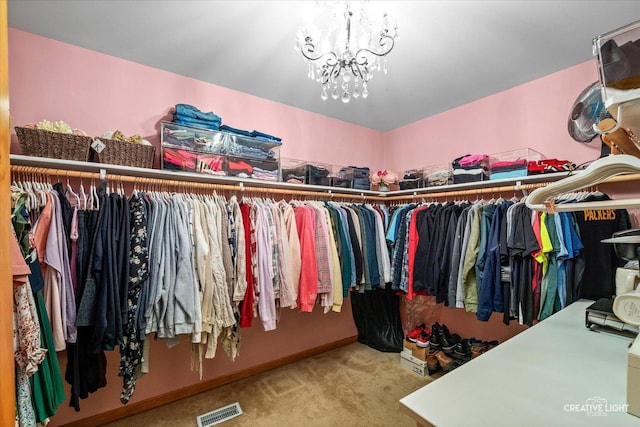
(131, 348)
(308, 290)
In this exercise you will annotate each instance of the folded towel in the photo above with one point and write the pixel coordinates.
(237, 131)
(186, 110)
(259, 134)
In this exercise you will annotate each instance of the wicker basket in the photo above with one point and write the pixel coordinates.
(126, 153)
(55, 145)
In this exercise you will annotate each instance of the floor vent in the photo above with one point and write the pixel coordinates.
(219, 415)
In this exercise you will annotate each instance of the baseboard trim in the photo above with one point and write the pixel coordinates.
(172, 396)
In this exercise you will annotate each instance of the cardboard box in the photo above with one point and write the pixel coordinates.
(407, 355)
(417, 352)
(413, 364)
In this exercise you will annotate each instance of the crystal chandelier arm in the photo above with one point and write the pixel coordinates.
(360, 70)
(308, 50)
(330, 67)
(386, 42)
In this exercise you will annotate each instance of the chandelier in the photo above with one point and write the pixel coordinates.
(344, 52)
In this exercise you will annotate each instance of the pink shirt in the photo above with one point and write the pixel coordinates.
(308, 290)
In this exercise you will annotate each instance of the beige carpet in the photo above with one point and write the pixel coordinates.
(351, 386)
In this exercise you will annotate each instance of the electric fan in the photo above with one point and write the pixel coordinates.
(587, 110)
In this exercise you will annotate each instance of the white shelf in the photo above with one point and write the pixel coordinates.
(516, 182)
(71, 165)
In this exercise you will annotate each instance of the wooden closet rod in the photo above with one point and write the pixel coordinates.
(468, 192)
(59, 173)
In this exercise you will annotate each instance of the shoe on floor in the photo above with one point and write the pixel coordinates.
(413, 334)
(424, 338)
(462, 350)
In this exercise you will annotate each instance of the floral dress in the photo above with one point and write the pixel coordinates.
(131, 348)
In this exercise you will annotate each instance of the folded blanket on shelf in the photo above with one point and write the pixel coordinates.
(518, 173)
(265, 136)
(265, 175)
(472, 159)
(253, 134)
(341, 182)
(293, 179)
(189, 111)
(361, 183)
(212, 164)
(410, 183)
(202, 124)
(251, 152)
(360, 172)
(469, 175)
(441, 177)
(316, 172)
(236, 167)
(227, 128)
(179, 159)
(294, 175)
(509, 165)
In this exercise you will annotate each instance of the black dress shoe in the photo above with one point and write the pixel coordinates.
(462, 350)
(435, 341)
(449, 342)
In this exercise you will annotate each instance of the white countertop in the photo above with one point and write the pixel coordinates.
(544, 376)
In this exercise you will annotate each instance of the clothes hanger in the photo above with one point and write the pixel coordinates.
(82, 199)
(542, 198)
(34, 194)
(42, 192)
(95, 200)
(71, 196)
(26, 187)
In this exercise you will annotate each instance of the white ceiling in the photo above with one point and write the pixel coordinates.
(449, 52)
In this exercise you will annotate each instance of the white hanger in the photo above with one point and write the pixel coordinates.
(595, 173)
(95, 200)
(41, 191)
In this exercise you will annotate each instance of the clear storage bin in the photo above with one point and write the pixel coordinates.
(512, 164)
(342, 176)
(199, 150)
(412, 178)
(437, 175)
(318, 173)
(293, 171)
(243, 167)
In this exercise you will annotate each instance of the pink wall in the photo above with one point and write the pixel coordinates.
(97, 92)
(533, 115)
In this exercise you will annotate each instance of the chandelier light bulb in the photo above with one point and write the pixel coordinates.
(346, 44)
